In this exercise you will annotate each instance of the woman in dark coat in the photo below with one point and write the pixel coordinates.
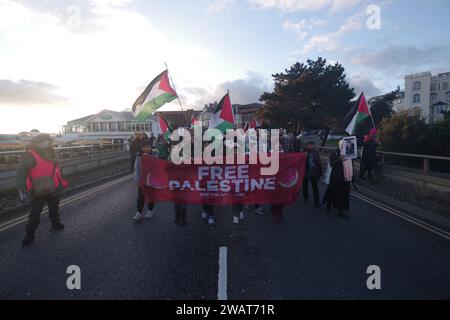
(369, 155)
(338, 192)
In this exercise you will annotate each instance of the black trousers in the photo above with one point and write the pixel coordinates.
(141, 201)
(370, 168)
(180, 210)
(237, 208)
(37, 205)
(314, 187)
(209, 209)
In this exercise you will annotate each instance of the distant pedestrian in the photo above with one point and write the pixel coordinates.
(152, 139)
(39, 178)
(146, 151)
(369, 156)
(338, 192)
(313, 172)
(135, 147)
(286, 141)
(163, 148)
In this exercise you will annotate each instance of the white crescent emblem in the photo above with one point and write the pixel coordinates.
(292, 184)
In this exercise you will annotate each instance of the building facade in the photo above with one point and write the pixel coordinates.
(107, 126)
(428, 94)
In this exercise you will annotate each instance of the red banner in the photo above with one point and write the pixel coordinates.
(222, 184)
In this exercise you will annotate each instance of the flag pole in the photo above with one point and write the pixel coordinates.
(178, 98)
(173, 84)
(369, 107)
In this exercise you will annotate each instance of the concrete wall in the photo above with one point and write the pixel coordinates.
(69, 167)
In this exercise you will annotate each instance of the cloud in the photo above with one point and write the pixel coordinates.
(286, 6)
(340, 5)
(26, 93)
(242, 91)
(303, 27)
(399, 57)
(331, 41)
(221, 5)
(363, 84)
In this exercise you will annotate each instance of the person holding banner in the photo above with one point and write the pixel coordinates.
(180, 207)
(145, 150)
(277, 209)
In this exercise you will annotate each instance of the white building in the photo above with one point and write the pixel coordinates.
(107, 125)
(428, 94)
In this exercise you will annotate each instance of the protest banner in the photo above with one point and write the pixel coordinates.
(222, 184)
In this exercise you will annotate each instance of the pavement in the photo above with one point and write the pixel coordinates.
(312, 255)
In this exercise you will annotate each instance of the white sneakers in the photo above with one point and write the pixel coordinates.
(259, 210)
(139, 216)
(204, 215)
(149, 214)
(237, 220)
(210, 221)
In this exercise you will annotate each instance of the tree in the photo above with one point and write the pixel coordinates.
(406, 133)
(314, 95)
(403, 132)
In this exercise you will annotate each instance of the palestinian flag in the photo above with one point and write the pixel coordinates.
(194, 122)
(223, 117)
(157, 93)
(359, 113)
(164, 127)
(252, 125)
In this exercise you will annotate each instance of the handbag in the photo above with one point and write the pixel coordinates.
(44, 185)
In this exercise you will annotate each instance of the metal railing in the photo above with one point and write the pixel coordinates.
(65, 153)
(384, 155)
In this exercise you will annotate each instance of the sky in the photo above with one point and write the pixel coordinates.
(61, 60)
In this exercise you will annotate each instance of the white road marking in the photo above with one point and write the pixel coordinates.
(404, 216)
(222, 282)
(19, 220)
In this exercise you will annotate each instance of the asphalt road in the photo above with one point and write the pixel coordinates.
(313, 255)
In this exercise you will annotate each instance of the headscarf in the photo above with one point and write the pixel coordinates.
(347, 164)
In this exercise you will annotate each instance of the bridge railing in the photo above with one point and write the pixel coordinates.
(392, 157)
(8, 159)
